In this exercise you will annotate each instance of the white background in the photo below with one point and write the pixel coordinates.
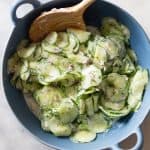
(12, 135)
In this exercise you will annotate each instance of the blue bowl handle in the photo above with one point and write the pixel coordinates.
(139, 143)
(15, 19)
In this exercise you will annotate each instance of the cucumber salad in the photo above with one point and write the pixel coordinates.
(81, 81)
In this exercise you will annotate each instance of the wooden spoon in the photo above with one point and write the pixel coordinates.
(58, 20)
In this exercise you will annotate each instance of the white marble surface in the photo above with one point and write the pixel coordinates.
(12, 135)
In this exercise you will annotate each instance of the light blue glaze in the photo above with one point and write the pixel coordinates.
(93, 16)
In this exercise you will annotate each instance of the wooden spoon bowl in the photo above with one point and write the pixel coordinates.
(58, 20)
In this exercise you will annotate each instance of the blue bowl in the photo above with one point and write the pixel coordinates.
(93, 16)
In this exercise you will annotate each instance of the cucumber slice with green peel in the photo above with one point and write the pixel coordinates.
(38, 53)
(44, 70)
(97, 123)
(72, 43)
(82, 36)
(51, 38)
(95, 98)
(115, 89)
(79, 58)
(89, 106)
(67, 112)
(51, 74)
(51, 48)
(111, 27)
(91, 48)
(24, 71)
(115, 113)
(110, 47)
(62, 40)
(125, 32)
(26, 52)
(128, 66)
(56, 127)
(112, 105)
(118, 44)
(71, 91)
(92, 76)
(117, 80)
(25, 75)
(115, 95)
(43, 80)
(48, 97)
(83, 136)
(100, 56)
(131, 53)
(68, 79)
(82, 106)
(136, 89)
(84, 93)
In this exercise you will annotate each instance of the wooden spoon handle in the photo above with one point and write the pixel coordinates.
(82, 6)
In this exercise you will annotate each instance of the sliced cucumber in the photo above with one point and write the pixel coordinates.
(71, 91)
(69, 78)
(136, 89)
(51, 48)
(67, 111)
(111, 27)
(112, 105)
(95, 98)
(26, 52)
(91, 48)
(100, 56)
(97, 123)
(131, 53)
(83, 136)
(45, 71)
(118, 44)
(110, 47)
(73, 43)
(125, 32)
(48, 97)
(56, 127)
(62, 40)
(115, 89)
(115, 113)
(92, 76)
(117, 80)
(24, 72)
(82, 36)
(51, 38)
(79, 58)
(89, 106)
(38, 53)
(128, 66)
(82, 106)
(52, 73)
